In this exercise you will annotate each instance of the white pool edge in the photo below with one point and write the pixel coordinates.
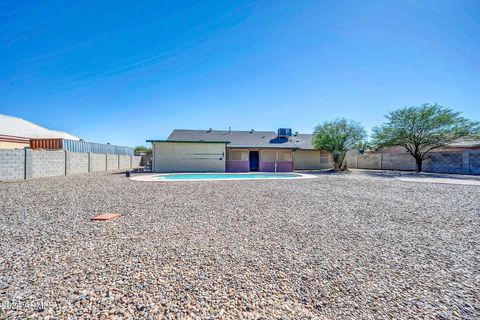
(151, 177)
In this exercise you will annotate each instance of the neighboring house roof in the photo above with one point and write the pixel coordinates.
(464, 144)
(244, 139)
(17, 127)
(467, 143)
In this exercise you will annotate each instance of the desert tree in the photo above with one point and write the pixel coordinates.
(142, 149)
(421, 129)
(337, 137)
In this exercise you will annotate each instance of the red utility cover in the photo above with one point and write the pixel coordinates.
(105, 217)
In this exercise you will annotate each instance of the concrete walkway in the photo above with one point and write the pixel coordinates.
(440, 180)
(424, 177)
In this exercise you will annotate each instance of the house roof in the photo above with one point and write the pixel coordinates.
(17, 127)
(303, 141)
(465, 143)
(244, 139)
(189, 141)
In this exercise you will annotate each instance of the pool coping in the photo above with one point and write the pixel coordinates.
(150, 177)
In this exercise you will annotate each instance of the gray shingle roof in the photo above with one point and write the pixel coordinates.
(303, 141)
(238, 139)
(465, 143)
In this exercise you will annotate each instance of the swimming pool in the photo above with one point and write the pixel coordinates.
(221, 176)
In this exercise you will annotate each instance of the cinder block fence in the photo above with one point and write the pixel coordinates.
(27, 163)
(460, 162)
(12, 164)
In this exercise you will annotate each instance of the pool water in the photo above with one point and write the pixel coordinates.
(226, 176)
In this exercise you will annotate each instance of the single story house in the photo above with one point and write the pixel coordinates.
(237, 151)
(15, 133)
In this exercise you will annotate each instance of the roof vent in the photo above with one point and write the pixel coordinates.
(252, 131)
(284, 132)
(209, 130)
(295, 134)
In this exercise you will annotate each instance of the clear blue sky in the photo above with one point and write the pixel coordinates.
(125, 71)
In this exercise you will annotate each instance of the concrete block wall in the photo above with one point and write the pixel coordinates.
(112, 162)
(448, 162)
(48, 163)
(77, 163)
(395, 161)
(98, 162)
(12, 164)
(137, 161)
(369, 161)
(351, 161)
(28, 164)
(474, 162)
(459, 162)
(16, 164)
(124, 162)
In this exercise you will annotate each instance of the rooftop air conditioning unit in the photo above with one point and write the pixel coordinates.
(284, 132)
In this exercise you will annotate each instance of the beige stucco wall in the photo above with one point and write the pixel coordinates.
(188, 157)
(13, 145)
(311, 160)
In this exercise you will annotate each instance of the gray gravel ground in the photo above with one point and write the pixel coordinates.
(340, 246)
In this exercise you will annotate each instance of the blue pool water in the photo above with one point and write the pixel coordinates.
(225, 176)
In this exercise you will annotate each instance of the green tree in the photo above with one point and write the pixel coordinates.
(421, 129)
(337, 137)
(363, 146)
(142, 149)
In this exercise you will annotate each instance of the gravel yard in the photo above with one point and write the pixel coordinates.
(339, 246)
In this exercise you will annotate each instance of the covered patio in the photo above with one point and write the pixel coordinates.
(259, 159)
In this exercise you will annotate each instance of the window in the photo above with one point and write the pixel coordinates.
(238, 155)
(324, 157)
(284, 156)
(324, 154)
(277, 156)
(324, 160)
(269, 156)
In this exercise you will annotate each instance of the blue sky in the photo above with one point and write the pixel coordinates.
(125, 71)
